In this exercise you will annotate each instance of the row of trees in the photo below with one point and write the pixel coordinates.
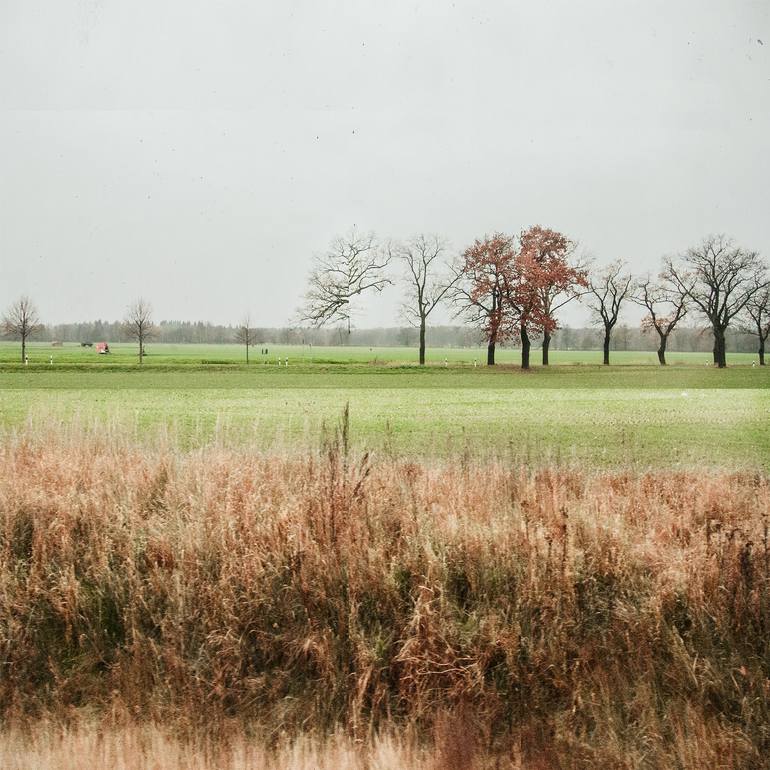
(513, 287)
(168, 331)
(22, 321)
(689, 335)
(510, 289)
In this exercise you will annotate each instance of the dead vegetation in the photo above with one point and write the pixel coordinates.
(499, 616)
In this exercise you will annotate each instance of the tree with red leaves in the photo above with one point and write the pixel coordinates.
(545, 258)
(524, 316)
(514, 294)
(486, 274)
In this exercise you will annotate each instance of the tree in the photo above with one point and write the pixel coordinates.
(665, 306)
(482, 280)
(558, 282)
(719, 278)
(352, 265)
(138, 324)
(757, 320)
(420, 257)
(523, 308)
(608, 288)
(21, 321)
(245, 335)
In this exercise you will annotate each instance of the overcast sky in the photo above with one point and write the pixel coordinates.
(199, 153)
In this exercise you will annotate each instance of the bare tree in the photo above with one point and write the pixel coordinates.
(757, 320)
(21, 321)
(608, 288)
(665, 306)
(245, 334)
(352, 265)
(421, 256)
(719, 278)
(138, 324)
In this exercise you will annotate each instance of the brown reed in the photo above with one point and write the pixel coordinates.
(534, 617)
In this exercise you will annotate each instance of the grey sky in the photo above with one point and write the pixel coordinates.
(198, 153)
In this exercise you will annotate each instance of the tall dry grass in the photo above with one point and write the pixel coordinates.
(142, 747)
(496, 614)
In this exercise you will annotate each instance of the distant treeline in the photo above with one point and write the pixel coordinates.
(683, 338)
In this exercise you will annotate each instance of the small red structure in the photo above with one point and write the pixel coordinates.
(102, 348)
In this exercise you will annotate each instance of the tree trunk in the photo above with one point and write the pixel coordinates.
(525, 347)
(546, 347)
(247, 354)
(719, 348)
(662, 350)
(422, 342)
(761, 351)
(23, 348)
(491, 353)
(716, 350)
(607, 332)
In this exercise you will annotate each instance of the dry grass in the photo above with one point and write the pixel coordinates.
(533, 618)
(149, 748)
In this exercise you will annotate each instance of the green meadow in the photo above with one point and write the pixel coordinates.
(125, 354)
(633, 413)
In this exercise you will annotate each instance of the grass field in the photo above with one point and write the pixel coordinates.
(202, 355)
(627, 414)
(201, 567)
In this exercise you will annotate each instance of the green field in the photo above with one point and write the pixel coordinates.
(123, 354)
(632, 413)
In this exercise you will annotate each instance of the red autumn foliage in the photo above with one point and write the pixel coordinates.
(488, 269)
(546, 256)
(514, 293)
